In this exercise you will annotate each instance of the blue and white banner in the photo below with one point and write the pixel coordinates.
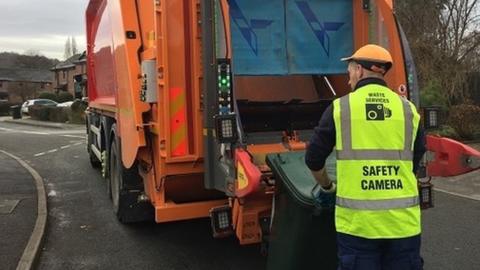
(319, 33)
(279, 37)
(258, 37)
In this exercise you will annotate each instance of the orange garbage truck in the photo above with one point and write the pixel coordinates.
(187, 97)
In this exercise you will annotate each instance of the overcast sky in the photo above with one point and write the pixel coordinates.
(41, 25)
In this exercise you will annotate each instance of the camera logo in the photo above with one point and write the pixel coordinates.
(377, 112)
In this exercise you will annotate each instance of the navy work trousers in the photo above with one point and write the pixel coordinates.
(356, 253)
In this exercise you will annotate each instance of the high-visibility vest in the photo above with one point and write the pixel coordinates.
(377, 192)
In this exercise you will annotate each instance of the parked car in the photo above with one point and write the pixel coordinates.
(44, 102)
(65, 104)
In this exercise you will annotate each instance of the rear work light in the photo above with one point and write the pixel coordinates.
(425, 187)
(226, 128)
(425, 190)
(431, 117)
(221, 221)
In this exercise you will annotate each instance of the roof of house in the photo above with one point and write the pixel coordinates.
(70, 62)
(25, 75)
(82, 58)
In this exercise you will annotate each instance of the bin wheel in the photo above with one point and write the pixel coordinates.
(126, 206)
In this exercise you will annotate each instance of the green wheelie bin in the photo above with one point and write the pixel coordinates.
(16, 111)
(302, 235)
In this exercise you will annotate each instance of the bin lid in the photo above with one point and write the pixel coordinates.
(290, 168)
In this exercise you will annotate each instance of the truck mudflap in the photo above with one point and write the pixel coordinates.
(447, 157)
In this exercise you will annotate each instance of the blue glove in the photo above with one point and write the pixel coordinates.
(324, 199)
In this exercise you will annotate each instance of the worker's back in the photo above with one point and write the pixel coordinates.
(378, 127)
(376, 186)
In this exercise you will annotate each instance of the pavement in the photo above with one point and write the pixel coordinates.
(23, 204)
(22, 213)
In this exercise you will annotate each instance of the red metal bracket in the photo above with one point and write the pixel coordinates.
(447, 157)
(248, 175)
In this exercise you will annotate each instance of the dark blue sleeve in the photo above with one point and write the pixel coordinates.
(322, 142)
(419, 148)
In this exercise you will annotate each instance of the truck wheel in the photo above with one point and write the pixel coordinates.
(125, 198)
(93, 159)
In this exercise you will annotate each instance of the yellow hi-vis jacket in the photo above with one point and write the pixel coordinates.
(377, 192)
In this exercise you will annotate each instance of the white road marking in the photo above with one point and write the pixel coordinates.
(69, 183)
(36, 133)
(73, 143)
(73, 136)
(73, 193)
(63, 133)
(25, 131)
(58, 133)
(474, 197)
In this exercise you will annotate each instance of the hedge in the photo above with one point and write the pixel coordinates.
(64, 97)
(5, 108)
(73, 115)
(465, 120)
(77, 112)
(48, 95)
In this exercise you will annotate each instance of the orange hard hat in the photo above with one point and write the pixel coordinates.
(372, 57)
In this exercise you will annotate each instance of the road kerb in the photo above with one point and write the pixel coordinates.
(32, 249)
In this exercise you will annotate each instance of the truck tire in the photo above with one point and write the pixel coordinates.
(93, 159)
(123, 192)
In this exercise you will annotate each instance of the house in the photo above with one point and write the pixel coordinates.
(70, 75)
(20, 84)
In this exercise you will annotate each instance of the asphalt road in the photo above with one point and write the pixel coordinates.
(83, 232)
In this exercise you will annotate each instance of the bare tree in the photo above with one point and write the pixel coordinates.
(445, 41)
(68, 49)
(74, 46)
(31, 61)
(33, 52)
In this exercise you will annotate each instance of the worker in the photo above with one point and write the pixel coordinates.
(378, 145)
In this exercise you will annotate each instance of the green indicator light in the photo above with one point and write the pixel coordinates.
(224, 81)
